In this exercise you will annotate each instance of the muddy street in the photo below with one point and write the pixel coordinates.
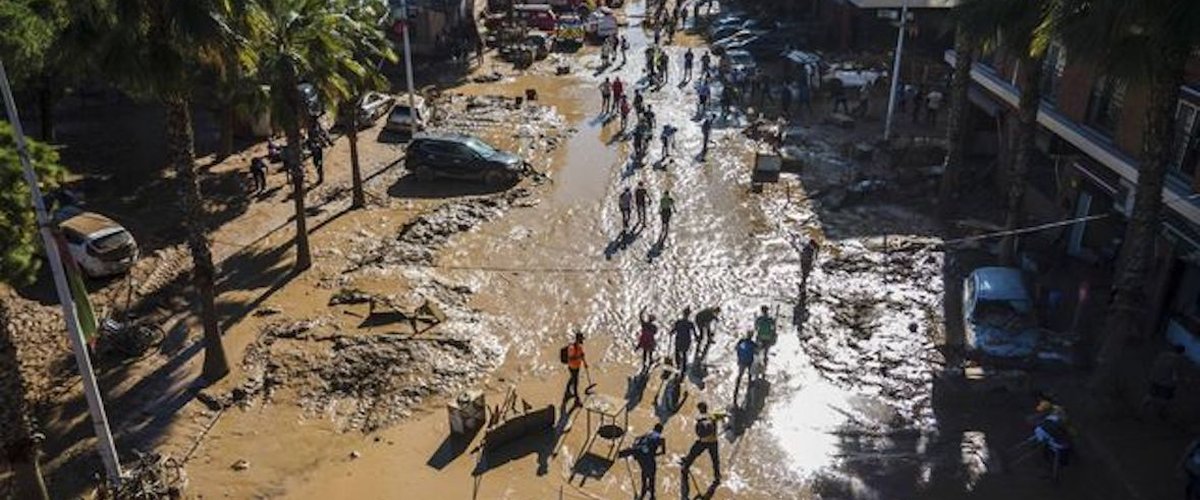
(845, 408)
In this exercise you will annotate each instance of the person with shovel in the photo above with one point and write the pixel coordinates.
(683, 332)
(745, 349)
(646, 449)
(573, 356)
(706, 440)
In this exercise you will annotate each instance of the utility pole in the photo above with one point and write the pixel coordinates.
(887, 124)
(104, 440)
(408, 74)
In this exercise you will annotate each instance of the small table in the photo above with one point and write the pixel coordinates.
(606, 408)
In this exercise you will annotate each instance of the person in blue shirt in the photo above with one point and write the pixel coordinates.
(746, 348)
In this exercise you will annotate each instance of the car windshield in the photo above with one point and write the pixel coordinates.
(1004, 314)
(480, 147)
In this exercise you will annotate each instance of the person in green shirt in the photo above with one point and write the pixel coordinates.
(764, 328)
(666, 207)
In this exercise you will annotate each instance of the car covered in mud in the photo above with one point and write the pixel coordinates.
(97, 243)
(999, 323)
(463, 157)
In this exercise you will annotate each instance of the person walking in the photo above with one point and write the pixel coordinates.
(705, 63)
(605, 95)
(318, 158)
(745, 349)
(706, 441)
(258, 172)
(687, 64)
(918, 104)
(765, 332)
(667, 138)
(647, 339)
(808, 257)
(574, 357)
(705, 133)
(838, 92)
(650, 119)
(864, 101)
(641, 199)
(704, 322)
(1164, 377)
(624, 49)
(664, 68)
(639, 102)
(682, 334)
(703, 91)
(618, 91)
(666, 208)
(625, 204)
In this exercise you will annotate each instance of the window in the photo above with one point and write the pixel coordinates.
(1185, 142)
(1052, 70)
(1104, 106)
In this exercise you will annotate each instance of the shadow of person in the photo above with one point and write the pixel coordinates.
(635, 389)
(743, 416)
(657, 249)
(800, 311)
(672, 395)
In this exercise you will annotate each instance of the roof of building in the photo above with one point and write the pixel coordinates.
(912, 4)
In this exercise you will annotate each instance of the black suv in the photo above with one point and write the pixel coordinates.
(457, 156)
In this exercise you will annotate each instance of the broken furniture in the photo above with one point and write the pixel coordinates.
(467, 413)
(608, 410)
(428, 312)
(509, 423)
(766, 169)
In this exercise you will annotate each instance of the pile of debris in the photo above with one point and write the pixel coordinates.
(365, 381)
(419, 241)
(150, 475)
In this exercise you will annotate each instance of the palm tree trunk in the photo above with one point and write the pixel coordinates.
(227, 119)
(957, 130)
(20, 448)
(295, 166)
(1031, 100)
(1126, 314)
(180, 147)
(359, 198)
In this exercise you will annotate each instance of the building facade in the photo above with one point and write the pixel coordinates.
(1089, 136)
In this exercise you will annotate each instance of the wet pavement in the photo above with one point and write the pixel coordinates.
(849, 406)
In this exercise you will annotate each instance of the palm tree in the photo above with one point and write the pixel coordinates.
(1147, 42)
(372, 45)
(303, 41)
(156, 48)
(957, 131)
(19, 263)
(1024, 29)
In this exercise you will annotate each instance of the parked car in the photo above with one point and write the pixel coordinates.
(539, 17)
(732, 41)
(372, 106)
(999, 324)
(98, 244)
(458, 156)
(601, 24)
(726, 21)
(405, 120)
(738, 62)
(762, 45)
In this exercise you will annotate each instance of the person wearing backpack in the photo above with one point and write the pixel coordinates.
(646, 449)
(572, 355)
(647, 340)
(1190, 463)
(706, 440)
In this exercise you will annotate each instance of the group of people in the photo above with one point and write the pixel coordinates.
(316, 142)
(640, 198)
(690, 336)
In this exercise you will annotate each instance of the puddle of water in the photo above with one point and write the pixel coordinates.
(589, 164)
